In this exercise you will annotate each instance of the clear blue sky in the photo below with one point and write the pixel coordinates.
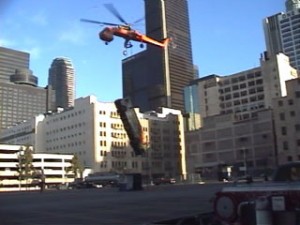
(227, 37)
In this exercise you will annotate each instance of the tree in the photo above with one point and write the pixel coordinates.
(76, 167)
(25, 166)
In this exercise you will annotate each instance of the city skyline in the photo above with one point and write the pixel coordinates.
(225, 38)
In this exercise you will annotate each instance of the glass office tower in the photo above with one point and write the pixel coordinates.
(157, 76)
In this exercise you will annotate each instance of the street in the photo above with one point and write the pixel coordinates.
(106, 206)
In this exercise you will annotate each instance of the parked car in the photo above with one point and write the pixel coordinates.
(164, 180)
(82, 185)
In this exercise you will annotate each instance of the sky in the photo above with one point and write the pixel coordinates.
(227, 37)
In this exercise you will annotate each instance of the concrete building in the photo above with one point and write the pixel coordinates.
(27, 132)
(53, 166)
(94, 132)
(62, 80)
(156, 77)
(282, 32)
(286, 117)
(10, 60)
(19, 102)
(242, 93)
(235, 116)
(20, 96)
(227, 141)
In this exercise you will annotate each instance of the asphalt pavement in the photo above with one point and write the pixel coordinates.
(106, 206)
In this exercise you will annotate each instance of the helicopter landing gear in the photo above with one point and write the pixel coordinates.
(125, 52)
(106, 43)
(141, 45)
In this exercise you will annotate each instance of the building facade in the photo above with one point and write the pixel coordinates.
(10, 60)
(282, 32)
(53, 166)
(156, 77)
(242, 93)
(19, 102)
(62, 80)
(226, 141)
(20, 96)
(286, 117)
(94, 132)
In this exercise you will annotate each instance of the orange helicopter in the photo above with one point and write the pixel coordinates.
(125, 31)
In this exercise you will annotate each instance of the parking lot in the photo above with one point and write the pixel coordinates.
(105, 206)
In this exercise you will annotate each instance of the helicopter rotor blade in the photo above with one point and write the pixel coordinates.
(98, 22)
(139, 20)
(115, 12)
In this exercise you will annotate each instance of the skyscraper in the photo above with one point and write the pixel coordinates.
(282, 32)
(156, 77)
(10, 60)
(20, 97)
(61, 79)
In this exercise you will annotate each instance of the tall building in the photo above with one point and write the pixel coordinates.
(156, 77)
(20, 96)
(62, 80)
(10, 60)
(282, 32)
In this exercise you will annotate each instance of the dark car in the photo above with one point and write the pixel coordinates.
(82, 185)
(164, 180)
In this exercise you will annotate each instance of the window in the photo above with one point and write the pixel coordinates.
(283, 131)
(290, 101)
(280, 103)
(292, 113)
(282, 116)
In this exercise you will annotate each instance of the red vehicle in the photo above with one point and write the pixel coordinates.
(125, 31)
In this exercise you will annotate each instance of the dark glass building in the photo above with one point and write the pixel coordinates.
(61, 79)
(156, 77)
(10, 60)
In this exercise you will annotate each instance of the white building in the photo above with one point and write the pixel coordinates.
(53, 166)
(240, 93)
(94, 132)
(231, 105)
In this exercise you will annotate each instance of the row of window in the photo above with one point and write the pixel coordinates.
(66, 115)
(63, 129)
(69, 145)
(242, 86)
(284, 129)
(240, 78)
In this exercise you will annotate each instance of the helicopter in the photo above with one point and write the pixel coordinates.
(125, 31)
